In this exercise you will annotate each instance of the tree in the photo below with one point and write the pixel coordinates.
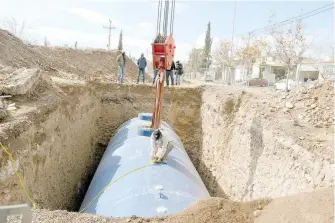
(223, 58)
(206, 56)
(251, 52)
(15, 27)
(120, 47)
(195, 58)
(288, 45)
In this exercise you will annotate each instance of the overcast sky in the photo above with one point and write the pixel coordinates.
(67, 21)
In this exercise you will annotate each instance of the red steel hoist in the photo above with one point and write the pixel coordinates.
(163, 49)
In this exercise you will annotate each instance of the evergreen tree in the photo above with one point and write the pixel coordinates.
(207, 49)
(208, 41)
(120, 47)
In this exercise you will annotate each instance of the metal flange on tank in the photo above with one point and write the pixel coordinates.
(156, 190)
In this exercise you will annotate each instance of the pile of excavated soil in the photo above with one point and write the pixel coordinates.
(93, 64)
(316, 103)
(86, 64)
(304, 207)
(306, 115)
(15, 53)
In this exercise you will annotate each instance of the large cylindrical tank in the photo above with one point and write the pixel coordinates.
(157, 190)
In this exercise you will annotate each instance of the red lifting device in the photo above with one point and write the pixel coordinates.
(163, 49)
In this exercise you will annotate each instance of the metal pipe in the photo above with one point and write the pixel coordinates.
(157, 190)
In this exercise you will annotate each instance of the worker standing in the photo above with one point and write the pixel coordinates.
(141, 64)
(169, 74)
(179, 72)
(121, 61)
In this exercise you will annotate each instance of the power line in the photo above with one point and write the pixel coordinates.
(299, 17)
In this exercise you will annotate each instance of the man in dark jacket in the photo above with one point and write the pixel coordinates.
(141, 64)
(169, 74)
(179, 72)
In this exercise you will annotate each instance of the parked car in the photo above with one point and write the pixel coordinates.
(209, 78)
(281, 85)
(258, 82)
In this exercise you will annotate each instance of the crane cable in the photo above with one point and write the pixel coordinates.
(172, 16)
(158, 18)
(166, 17)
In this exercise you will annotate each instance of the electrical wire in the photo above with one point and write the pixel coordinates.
(297, 18)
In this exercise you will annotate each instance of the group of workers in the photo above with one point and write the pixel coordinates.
(175, 70)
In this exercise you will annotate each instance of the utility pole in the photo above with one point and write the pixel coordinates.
(110, 27)
(232, 77)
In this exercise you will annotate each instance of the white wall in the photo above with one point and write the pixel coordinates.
(238, 74)
(255, 71)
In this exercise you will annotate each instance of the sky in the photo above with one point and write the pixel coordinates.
(67, 21)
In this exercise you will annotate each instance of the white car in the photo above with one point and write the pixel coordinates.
(281, 85)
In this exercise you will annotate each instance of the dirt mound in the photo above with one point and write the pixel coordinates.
(317, 206)
(87, 64)
(15, 53)
(304, 207)
(214, 210)
(317, 103)
(92, 64)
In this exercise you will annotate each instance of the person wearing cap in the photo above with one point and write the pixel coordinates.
(160, 146)
(121, 61)
(141, 64)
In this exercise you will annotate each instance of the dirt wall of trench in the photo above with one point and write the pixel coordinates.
(57, 144)
(244, 156)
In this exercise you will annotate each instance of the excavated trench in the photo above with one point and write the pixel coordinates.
(59, 144)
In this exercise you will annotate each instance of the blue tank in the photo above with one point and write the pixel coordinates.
(156, 190)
